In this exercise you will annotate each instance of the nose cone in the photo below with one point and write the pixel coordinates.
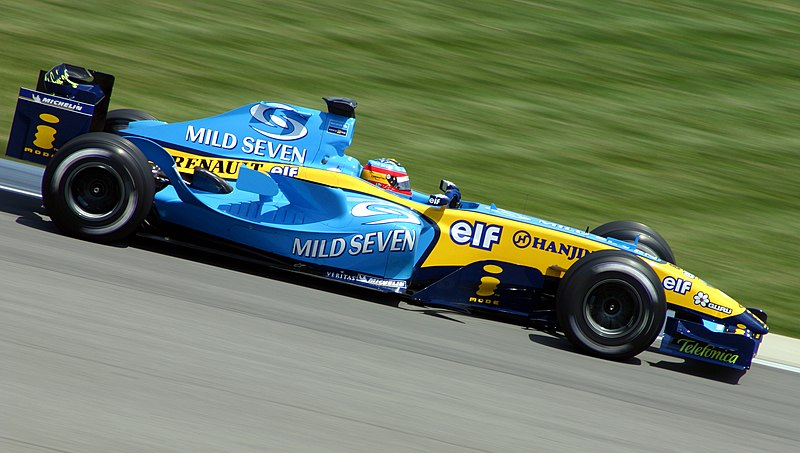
(754, 323)
(687, 290)
(744, 318)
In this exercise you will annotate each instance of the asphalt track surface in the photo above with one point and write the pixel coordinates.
(148, 347)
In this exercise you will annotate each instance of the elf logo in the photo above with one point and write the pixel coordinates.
(677, 285)
(478, 235)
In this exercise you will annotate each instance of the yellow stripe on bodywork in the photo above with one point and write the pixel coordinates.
(222, 167)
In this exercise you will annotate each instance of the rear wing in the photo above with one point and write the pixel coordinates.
(43, 121)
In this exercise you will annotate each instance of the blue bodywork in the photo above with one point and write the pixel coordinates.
(361, 239)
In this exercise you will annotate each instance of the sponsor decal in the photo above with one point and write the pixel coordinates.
(677, 285)
(358, 244)
(278, 121)
(56, 102)
(704, 301)
(480, 235)
(46, 134)
(366, 279)
(38, 152)
(558, 226)
(523, 239)
(487, 286)
(395, 213)
(285, 170)
(489, 283)
(225, 168)
(706, 351)
(337, 127)
(438, 199)
(210, 137)
(486, 301)
(511, 214)
(249, 145)
(280, 151)
(44, 137)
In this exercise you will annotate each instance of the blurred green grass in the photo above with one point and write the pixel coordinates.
(681, 114)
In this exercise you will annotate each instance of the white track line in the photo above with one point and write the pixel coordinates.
(20, 191)
(779, 366)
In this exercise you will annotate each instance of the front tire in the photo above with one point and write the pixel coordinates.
(647, 239)
(98, 187)
(610, 305)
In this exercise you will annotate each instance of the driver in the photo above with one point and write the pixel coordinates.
(389, 175)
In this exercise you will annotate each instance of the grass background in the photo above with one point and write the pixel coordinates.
(681, 114)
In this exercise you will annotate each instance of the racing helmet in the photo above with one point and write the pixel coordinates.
(72, 82)
(388, 175)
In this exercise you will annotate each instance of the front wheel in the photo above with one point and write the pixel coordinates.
(98, 187)
(647, 239)
(610, 304)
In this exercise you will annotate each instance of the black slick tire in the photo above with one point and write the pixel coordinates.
(117, 120)
(610, 304)
(98, 187)
(649, 241)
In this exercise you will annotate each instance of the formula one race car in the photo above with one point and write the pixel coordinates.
(273, 180)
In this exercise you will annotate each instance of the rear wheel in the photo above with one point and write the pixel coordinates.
(98, 187)
(647, 239)
(610, 304)
(117, 120)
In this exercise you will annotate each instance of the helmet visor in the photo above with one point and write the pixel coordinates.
(402, 183)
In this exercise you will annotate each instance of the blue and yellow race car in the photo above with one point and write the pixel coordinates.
(274, 180)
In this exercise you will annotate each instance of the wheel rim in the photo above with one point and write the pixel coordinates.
(95, 191)
(613, 309)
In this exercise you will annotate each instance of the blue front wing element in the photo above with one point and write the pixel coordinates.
(696, 341)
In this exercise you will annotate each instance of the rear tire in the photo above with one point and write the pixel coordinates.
(117, 120)
(610, 305)
(98, 187)
(649, 240)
